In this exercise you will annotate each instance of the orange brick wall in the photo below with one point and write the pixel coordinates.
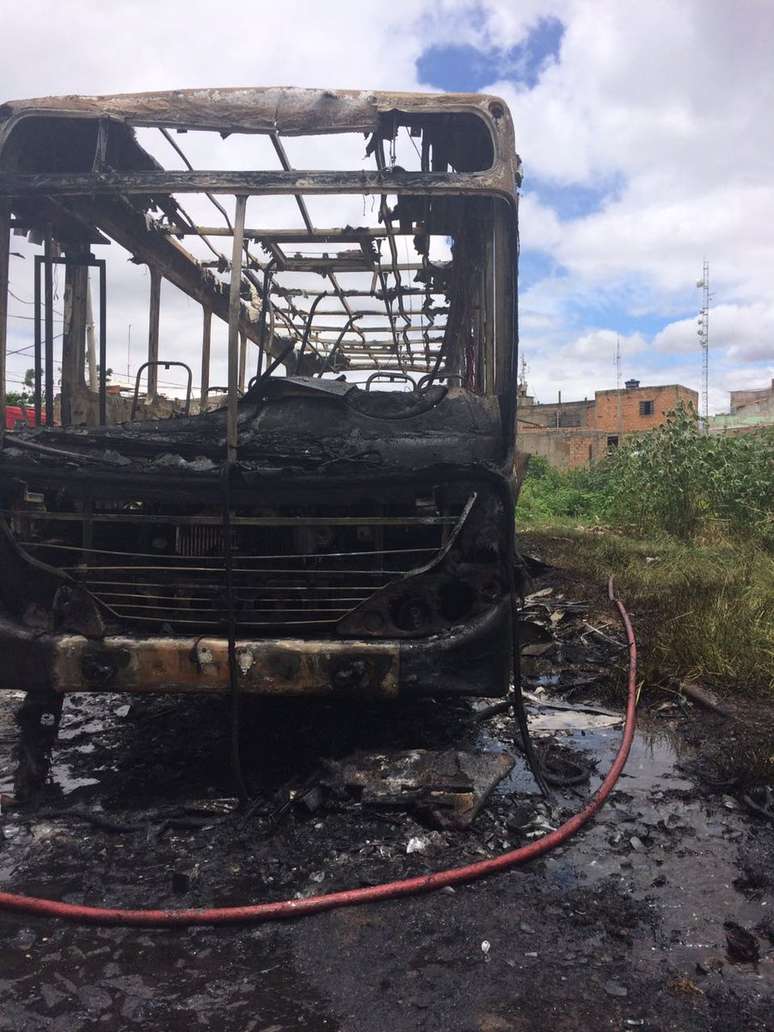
(739, 399)
(565, 448)
(570, 447)
(604, 415)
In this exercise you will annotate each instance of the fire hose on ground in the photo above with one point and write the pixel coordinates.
(292, 908)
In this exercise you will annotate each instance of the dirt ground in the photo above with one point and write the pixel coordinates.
(622, 928)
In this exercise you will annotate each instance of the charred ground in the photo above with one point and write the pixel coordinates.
(622, 928)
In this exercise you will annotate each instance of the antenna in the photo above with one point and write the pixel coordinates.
(703, 334)
(523, 378)
(618, 399)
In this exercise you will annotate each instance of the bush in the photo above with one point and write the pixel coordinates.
(701, 612)
(673, 480)
(680, 481)
(549, 493)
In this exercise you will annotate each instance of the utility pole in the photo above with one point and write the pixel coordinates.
(703, 334)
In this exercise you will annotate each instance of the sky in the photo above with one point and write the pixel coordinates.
(645, 132)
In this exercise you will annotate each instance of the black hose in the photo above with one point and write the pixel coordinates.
(517, 700)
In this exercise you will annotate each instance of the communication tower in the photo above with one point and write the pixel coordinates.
(703, 333)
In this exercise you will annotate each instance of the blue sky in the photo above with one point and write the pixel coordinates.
(464, 67)
(640, 160)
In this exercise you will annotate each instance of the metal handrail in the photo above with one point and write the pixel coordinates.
(167, 365)
(392, 377)
(426, 380)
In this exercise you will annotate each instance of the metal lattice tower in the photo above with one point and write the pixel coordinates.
(703, 334)
(618, 398)
(523, 378)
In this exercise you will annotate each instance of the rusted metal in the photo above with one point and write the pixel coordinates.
(286, 236)
(127, 226)
(287, 111)
(50, 253)
(234, 306)
(445, 788)
(152, 367)
(154, 312)
(37, 342)
(206, 343)
(357, 562)
(355, 669)
(242, 362)
(80, 184)
(102, 344)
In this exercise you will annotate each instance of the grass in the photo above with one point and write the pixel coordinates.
(702, 611)
(673, 480)
(685, 523)
(556, 497)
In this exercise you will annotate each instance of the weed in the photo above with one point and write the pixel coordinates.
(685, 522)
(702, 612)
(673, 480)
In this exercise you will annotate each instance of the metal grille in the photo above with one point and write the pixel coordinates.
(292, 573)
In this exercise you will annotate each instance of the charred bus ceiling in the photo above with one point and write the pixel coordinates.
(347, 539)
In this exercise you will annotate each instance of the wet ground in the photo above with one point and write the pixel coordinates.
(622, 928)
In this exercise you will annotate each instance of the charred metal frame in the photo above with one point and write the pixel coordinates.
(105, 199)
(153, 366)
(44, 374)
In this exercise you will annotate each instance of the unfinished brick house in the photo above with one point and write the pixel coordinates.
(748, 411)
(571, 433)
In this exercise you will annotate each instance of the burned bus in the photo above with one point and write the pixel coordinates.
(337, 520)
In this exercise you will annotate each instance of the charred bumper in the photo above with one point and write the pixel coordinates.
(472, 660)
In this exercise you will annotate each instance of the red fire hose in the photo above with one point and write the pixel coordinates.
(389, 890)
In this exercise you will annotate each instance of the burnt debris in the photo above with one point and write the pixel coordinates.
(338, 519)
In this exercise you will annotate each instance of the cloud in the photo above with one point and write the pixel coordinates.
(739, 332)
(145, 45)
(646, 136)
(664, 111)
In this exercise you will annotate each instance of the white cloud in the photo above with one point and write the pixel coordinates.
(669, 104)
(742, 333)
(539, 225)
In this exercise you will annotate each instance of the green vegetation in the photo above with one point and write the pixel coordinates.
(550, 495)
(673, 480)
(25, 395)
(18, 398)
(685, 522)
(702, 612)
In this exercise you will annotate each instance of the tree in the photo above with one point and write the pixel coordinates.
(17, 398)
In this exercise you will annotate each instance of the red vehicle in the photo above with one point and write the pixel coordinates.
(18, 417)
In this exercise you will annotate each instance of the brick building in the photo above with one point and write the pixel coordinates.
(758, 402)
(572, 433)
(749, 410)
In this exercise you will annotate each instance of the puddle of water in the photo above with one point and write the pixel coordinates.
(664, 845)
(656, 839)
(550, 721)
